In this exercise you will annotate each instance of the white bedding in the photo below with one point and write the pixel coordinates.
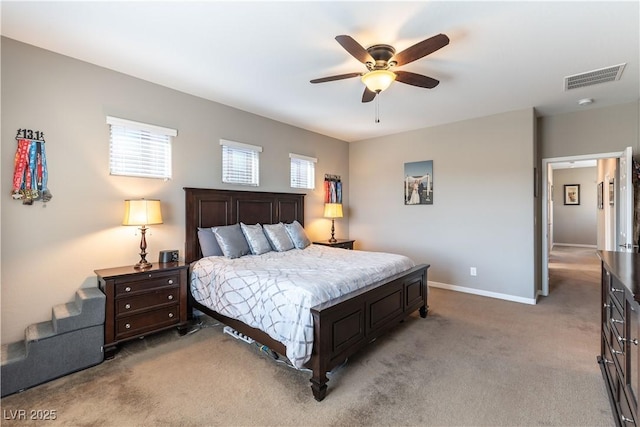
(274, 291)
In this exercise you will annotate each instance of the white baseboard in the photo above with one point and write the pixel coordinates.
(530, 301)
(577, 245)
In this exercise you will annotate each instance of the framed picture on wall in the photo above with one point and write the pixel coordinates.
(418, 183)
(611, 192)
(572, 194)
(600, 195)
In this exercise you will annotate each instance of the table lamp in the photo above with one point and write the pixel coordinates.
(142, 212)
(333, 211)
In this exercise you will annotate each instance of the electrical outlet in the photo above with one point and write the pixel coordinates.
(473, 271)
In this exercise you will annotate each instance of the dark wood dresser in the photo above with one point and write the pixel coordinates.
(619, 351)
(140, 302)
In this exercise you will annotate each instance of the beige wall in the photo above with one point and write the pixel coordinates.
(483, 211)
(49, 251)
(575, 224)
(607, 216)
(592, 131)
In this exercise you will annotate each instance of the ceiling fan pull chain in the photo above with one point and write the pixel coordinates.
(378, 108)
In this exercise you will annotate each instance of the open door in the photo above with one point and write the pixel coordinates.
(624, 206)
(625, 202)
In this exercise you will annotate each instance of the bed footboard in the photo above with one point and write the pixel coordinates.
(346, 324)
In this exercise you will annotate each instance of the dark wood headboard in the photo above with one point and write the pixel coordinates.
(210, 207)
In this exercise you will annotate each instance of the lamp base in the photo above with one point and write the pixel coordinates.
(333, 229)
(143, 265)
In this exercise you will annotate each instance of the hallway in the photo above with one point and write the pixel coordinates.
(573, 266)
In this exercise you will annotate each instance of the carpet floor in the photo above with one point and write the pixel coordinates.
(474, 361)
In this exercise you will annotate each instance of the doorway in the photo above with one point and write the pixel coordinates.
(547, 204)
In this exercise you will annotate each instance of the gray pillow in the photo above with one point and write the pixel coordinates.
(231, 241)
(208, 243)
(297, 235)
(256, 239)
(278, 237)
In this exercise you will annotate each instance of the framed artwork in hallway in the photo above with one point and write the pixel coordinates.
(572, 194)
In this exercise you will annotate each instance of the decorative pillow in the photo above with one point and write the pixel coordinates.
(231, 241)
(208, 243)
(278, 237)
(297, 235)
(256, 239)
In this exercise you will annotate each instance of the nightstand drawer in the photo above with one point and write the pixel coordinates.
(133, 286)
(339, 243)
(347, 245)
(148, 321)
(132, 304)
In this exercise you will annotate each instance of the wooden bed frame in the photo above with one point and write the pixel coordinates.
(341, 326)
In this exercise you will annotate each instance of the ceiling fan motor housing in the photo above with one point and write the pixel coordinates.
(381, 53)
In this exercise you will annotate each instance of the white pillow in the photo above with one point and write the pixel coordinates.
(297, 235)
(231, 241)
(256, 239)
(278, 237)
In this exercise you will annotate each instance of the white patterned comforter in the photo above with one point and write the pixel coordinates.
(274, 292)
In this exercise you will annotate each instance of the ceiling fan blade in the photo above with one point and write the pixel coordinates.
(368, 95)
(355, 49)
(338, 77)
(414, 79)
(421, 49)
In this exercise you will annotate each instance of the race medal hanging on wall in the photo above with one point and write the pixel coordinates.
(30, 168)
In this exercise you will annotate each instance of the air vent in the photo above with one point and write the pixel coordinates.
(590, 78)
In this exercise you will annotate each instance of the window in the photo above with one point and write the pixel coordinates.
(240, 163)
(139, 149)
(302, 171)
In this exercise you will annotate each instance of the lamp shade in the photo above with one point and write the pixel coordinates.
(333, 210)
(378, 80)
(142, 212)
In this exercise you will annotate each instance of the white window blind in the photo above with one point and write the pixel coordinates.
(303, 171)
(139, 149)
(240, 163)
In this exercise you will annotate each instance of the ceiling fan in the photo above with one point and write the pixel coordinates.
(381, 58)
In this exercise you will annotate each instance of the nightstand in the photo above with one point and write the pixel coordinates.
(140, 302)
(341, 243)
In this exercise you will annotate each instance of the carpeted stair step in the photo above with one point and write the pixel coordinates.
(13, 352)
(70, 341)
(38, 331)
(86, 310)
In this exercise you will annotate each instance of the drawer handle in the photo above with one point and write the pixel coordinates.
(631, 341)
(614, 321)
(170, 315)
(170, 297)
(127, 326)
(607, 361)
(607, 305)
(127, 289)
(171, 281)
(617, 290)
(626, 420)
(616, 351)
(127, 306)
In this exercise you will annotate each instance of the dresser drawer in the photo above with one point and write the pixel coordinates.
(616, 290)
(610, 366)
(147, 321)
(129, 287)
(616, 322)
(626, 416)
(133, 303)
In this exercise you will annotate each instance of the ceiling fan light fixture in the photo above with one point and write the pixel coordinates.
(378, 80)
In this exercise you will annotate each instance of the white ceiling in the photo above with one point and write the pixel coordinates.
(260, 56)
